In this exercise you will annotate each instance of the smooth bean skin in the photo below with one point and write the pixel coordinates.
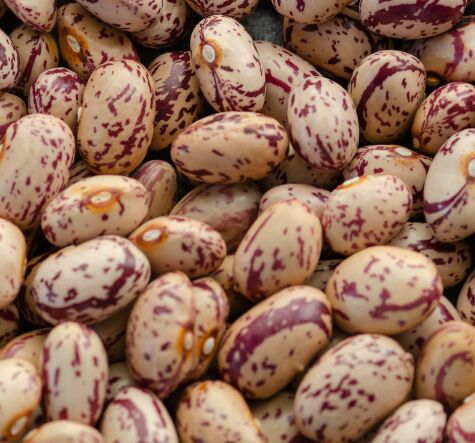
(336, 46)
(10, 63)
(95, 206)
(20, 395)
(322, 274)
(12, 108)
(383, 290)
(309, 11)
(160, 180)
(230, 147)
(414, 421)
(90, 282)
(229, 209)
(64, 431)
(353, 386)
(178, 97)
(453, 260)
(460, 427)
(387, 87)
(215, 411)
(25, 189)
(73, 356)
(449, 192)
(262, 266)
(465, 300)
(353, 222)
(40, 16)
(446, 359)
(414, 339)
(283, 70)
(119, 378)
(9, 324)
(399, 161)
(117, 118)
(293, 325)
(227, 65)
(119, 424)
(449, 109)
(322, 124)
(38, 51)
(237, 9)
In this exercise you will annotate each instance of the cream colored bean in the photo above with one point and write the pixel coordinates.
(12, 108)
(64, 431)
(237, 9)
(308, 11)
(119, 378)
(40, 16)
(460, 427)
(10, 65)
(466, 301)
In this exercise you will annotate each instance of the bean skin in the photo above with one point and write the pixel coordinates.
(10, 63)
(309, 11)
(465, 300)
(119, 378)
(9, 324)
(40, 16)
(64, 431)
(238, 9)
(12, 108)
(78, 171)
(460, 427)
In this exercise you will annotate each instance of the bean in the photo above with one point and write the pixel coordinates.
(238, 9)
(12, 108)
(322, 274)
(62, 431)
(10, 68)
(119, 378)
(27, 347)
(40, 16)
(465, 301)
(308, 11)
(9, 324)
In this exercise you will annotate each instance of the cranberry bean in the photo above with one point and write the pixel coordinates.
(25, 188)
(352, 221)
(9, 324)
(446, 360)
(263, 266)
(178, 97)
(227, 65)
(78, 171)
(10, 63)
(62, 431)
(449, 109)
(119, 378)
(466, 301)
(460, 427)
(309, 11)
(214, 411)
(352, 387)
(41, 16)
(12, 108)
(322, 274)
(116, 124)
(237, 9)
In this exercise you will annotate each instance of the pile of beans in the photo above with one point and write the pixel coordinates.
(210, 238)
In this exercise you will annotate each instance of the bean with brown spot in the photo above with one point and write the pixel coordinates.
(237, 9)
(79, 171)
(466, 301)
(64, 431)
(10, 69)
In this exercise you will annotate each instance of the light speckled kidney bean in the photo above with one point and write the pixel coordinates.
(309, 11)
(9, 64)
(170, 27)
(322, 274)
(78, 171)
(283, 70)
(94, 206)
(64, 431)
(460, 427)
(401, 162)
(449, 192)
(383, 290)
(73, 356)
(9, 324)
(119, 378)
(414, 339)
(160, 334)
(352, 10)
(27, 346)
(387, 88)
(38, 52)
(237, 9)
(39, 15)
(86, 42)
(57, 92)
(445, 369)
(214, 411)
(352, 387)
(313, 197)
(12, 108)
(442, 61)
(294, 169)
(178, 97)
(466, 300)
(449, 109)
(20, 395)
(352, 221)
(452, 260)
(336, 46)
(414, 421)
(90, 282)
(322, 124)
(128, 15)
(229, 209)
(292, 326)
(263, 266)
(174, 243)
(116, 123)
(26, 188)
(230, 147)
(411, 19)
(227, 65)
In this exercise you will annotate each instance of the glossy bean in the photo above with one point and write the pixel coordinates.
(64, 431)
(12, 108)
(40, 16)
(10, 64)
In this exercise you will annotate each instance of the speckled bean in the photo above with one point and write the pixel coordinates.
(466, 300)
(227, 64)
(10, 63)
(460, 427)
(237, 9)
(178, 97)
(26, 188)
(9, 324)
(449, 109)
(12, 108)
(308, 11)
(38, 15)
(79, 171)
(230, 147)
(74, 374)
(64, 431)
(352, 387)
(292, 326)
(214, 411)
(453, 260)
(387, 88)
(322, 274)
(445, 369)
(94, 206)
(119, 378)
(263, 266)
(352, 221)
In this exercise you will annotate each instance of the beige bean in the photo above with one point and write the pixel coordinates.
(64, 431)
(12, 108)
